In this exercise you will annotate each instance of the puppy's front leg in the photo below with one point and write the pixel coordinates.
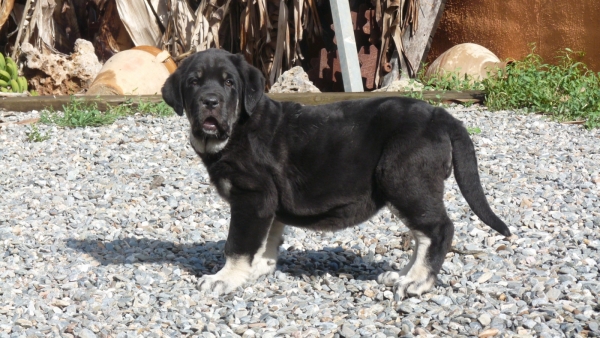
(251, 251)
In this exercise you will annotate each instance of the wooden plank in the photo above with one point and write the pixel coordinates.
(344, 34)
(325, 98)
(57, 102)
(417, 46)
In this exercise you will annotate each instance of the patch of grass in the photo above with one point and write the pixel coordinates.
(34, 134)
(568, 91)
(161, 109)
(449, 81)
(415, 94)
(81, 114)
(474, 130)
(78, 114)
(129, 108)
(468, 103)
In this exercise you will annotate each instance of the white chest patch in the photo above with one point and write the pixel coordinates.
(214, 146)
(210, 146)
(225, 187)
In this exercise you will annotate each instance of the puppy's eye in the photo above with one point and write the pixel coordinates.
(194, 82)
(229, 83)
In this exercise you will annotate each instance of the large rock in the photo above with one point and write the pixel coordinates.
(50, 73)
(294, 80)
(401, 85)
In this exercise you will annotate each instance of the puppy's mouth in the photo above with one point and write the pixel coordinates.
(210, 126)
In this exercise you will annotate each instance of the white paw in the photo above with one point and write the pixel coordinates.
(218, 284)
(235, 273)
(263, 266)
(407, 286)
(388, 278)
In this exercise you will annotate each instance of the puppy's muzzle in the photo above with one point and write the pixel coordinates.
(211, 101)
(211, 107)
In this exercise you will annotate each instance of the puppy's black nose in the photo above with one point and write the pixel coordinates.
(210, 101)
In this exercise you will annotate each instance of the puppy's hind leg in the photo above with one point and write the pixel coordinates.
(433, 237)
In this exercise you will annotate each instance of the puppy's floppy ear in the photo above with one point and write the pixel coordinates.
(254, 84)
(171, 92)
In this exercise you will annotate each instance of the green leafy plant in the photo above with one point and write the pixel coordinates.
(34, 134)
(567, 91)
(78, 113)
(449, 81)
(474, 130)
(161, 109)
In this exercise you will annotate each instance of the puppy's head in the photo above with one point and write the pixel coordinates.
(214, 88)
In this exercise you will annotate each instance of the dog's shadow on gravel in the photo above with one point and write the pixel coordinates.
(208, 258)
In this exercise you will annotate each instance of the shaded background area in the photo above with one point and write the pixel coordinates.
(508, 27)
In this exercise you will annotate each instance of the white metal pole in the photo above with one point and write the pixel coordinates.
(344, 33)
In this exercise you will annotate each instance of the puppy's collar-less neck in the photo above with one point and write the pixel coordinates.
(207, 145)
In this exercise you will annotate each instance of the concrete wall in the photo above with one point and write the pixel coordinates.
(506, 27)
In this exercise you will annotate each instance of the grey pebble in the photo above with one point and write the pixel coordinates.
(484, 319)
(348, 331)
(529, 324)
(86, 333)
(441, 300)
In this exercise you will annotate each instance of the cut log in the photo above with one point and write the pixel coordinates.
(6, 7)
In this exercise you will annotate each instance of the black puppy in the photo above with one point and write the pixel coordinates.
(322, 167)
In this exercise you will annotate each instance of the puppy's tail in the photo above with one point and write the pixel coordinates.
(464, 162)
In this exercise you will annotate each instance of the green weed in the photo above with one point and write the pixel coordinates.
(34, 134)
(449, 81)
(81, 114)
(78, 114)
(568, 91)
(161, 109)
(474, 130)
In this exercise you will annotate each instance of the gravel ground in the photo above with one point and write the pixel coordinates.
(105, 231)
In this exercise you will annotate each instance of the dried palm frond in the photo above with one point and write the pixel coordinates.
(209, 17)
(180, 25)
(36, 20)
(139, 20)
(394, 18)
(267, 32)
